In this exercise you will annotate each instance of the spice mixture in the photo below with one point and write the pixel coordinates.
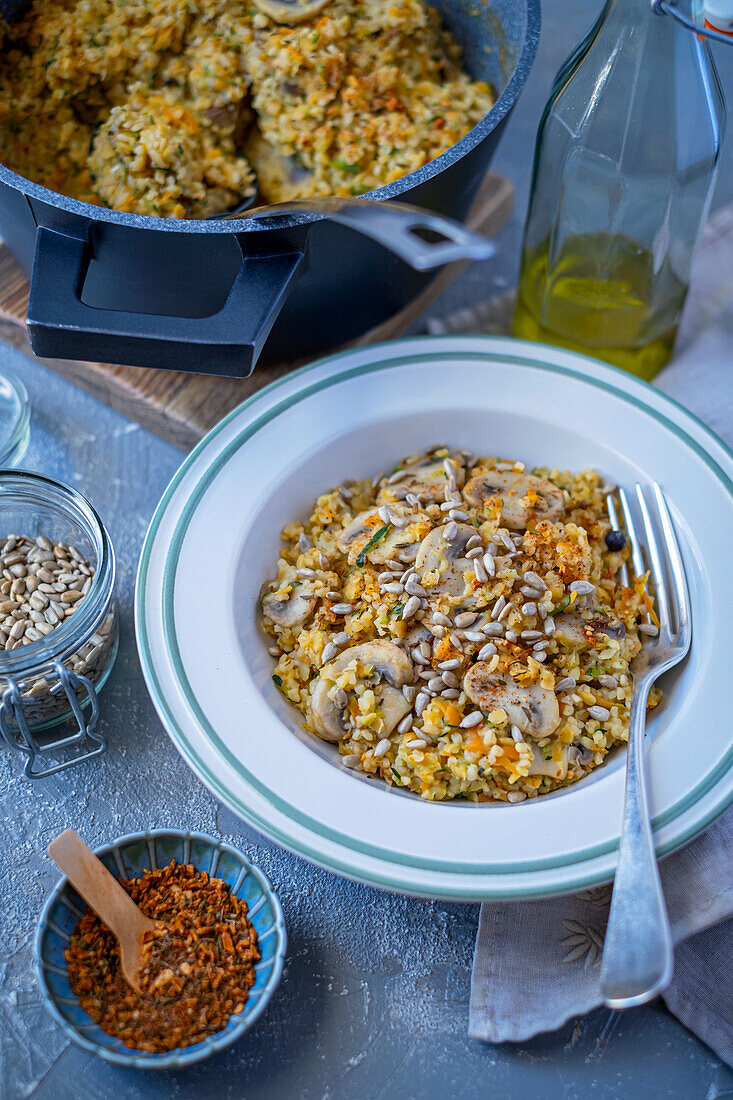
(461, 627)
(164, 107)
(200, 963)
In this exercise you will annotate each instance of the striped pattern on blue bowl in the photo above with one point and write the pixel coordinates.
(129, 857)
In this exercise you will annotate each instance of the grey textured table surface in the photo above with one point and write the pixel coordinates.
(374, 1000)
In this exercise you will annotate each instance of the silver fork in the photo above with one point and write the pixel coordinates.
(637, 956)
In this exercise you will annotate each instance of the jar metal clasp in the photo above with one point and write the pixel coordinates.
(11, 708)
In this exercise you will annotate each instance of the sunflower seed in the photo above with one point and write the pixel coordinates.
(457, 514)
(421, 702)
(351, 760)
(413, 587)
(340, 698)
(531, 635)
(465, 619)
(507, 540)
(492, 630)
(583, 588)
(541, 657)
(456, 642)
(475, 718)
(308, 573)
(601, 713)
(329, 651)
(474, 542)
(412, 605)
(479, 571)
(516, 796)
(475, 552)
(568, 683)
(450, 679)
(447, 505)
(418, 657)
(530, 577)
(394, 588)
(530, 592)
(305, 542)
(447, 666)
(450, 693)
(436, 684)
(443, 620)
(473, 635)
(529, 609)
(398, 475)
(409, 691)
(489, 564)
(398, 521)
(488, 651)
(538, 647)
(341, 608)
(609, 682)
(649, 629)
(405, 724)
(517, 734)
(498, 607)
(549, 625)
(383, 746)
(451, 531)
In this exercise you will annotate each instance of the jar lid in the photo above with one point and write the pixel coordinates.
(15, 418)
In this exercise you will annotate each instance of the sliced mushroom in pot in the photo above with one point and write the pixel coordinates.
(392, 668)
(530, 707)
(525, 499)
(291, 12)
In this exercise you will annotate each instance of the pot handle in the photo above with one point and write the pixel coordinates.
(62, 326)
(422, 239)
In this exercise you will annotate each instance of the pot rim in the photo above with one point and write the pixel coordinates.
(394, 190)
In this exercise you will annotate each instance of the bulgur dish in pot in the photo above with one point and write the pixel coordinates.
(459, 627)
(165, 107)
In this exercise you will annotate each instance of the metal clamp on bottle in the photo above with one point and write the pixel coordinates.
(21, 737)
(718, 14)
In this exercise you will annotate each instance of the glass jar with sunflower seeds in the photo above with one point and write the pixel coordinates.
(58, 622)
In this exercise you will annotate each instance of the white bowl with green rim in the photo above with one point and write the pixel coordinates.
(216, 534)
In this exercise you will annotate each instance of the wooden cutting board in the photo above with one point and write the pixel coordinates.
(183, 407)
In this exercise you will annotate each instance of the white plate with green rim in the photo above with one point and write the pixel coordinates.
(216, 534)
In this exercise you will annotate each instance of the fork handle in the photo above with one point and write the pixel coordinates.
(637, 956)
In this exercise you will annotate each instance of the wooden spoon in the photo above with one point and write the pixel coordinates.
(101, 890)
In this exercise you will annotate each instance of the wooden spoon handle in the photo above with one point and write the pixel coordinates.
(97, 886)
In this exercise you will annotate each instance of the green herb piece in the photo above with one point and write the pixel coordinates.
(397, 777)
(278, 680)
(377, 537)
(344, 166)
(561, 606)
(396, 610)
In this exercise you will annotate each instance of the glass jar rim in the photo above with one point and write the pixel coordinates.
(14, 435)
(73, 631)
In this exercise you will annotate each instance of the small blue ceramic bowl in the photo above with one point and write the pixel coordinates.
(126, 858)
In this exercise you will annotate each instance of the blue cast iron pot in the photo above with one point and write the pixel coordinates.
(208, 296)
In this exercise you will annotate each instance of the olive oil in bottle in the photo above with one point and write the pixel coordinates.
(624, 167)
(601, 296)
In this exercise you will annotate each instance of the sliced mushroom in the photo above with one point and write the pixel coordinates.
(556, 769)
(389, 663)
(447, 556)
(355, 538)
(525, 499)
(297, 11)
(291, 611)
(579, 756)
(584, 628)
(426, 479)
(530, 707)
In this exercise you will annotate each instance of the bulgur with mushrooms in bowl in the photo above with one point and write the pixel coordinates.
(458, 627)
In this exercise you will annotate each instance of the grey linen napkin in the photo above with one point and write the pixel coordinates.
(537, 963)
